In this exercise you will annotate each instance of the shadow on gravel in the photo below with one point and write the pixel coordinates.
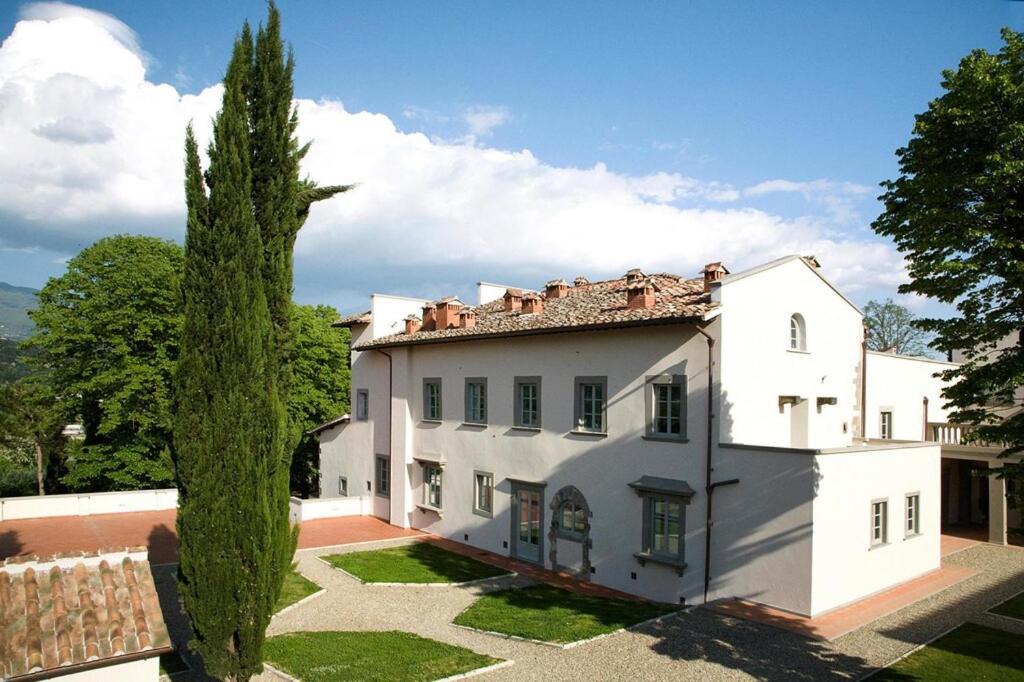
(757, 650)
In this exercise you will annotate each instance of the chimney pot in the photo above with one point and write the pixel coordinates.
(556, 288)
(412, 324)
(428, 317)
(713, 272)
(641, 294)
(447, 315)
(467, 319)
(580, 281)
(513, 300)
(533, 303)
(634, 276)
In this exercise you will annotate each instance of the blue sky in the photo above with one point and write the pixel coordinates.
(697, 104)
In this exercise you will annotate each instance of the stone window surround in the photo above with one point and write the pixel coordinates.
(466, 393)
(362, 404)
(907, 532)
(479, 511)
(383, 483)
(517, 421)
(578, 383)
(427, 417)
(884, 540)
(572, 494)
(650, 382)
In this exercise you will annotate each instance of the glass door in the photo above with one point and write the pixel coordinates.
(527, 523)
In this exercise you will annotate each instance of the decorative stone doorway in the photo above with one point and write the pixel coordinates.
(569, 534)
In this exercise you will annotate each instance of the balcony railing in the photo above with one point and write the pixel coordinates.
(946, 433)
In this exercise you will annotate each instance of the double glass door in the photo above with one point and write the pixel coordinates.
(527, 522)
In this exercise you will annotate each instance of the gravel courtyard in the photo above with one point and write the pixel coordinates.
(697, 644)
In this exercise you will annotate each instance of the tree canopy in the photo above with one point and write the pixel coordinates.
(957, 213)
(891, 328)
(104, 350)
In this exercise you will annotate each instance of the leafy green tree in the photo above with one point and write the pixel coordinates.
(957, 213)
(233, 436)
(31, 439)
(891, 327)
(106, 337)
(320, 387)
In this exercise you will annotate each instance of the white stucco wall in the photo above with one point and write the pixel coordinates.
(388, 313)
(846, 567)
(144, 670)
(758, 366)
(85, 504)
(899, 383)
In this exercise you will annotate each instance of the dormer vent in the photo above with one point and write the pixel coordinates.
(556, 288)
(412, 324)
(532, 303)
(713, 272)
(447, 315)
(428, 318)
(513, 300)
(642, 294)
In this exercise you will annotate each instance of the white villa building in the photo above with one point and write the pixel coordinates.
(679, 439)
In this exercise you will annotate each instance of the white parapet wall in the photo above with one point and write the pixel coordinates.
(332, 507)
(86, 504)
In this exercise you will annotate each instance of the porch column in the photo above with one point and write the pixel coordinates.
(996, 507)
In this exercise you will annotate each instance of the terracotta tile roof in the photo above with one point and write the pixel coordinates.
(73, 609)
(593, 305)
(349, 320)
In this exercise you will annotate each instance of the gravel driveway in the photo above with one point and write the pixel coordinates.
(697, 644)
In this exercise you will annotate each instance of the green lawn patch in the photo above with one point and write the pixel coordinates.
(971, 652)
(296, 587)
(390, 656)
(419, 562)
(1013, 607)
(554, 615)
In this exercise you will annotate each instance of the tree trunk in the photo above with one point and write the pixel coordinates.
(39, 468)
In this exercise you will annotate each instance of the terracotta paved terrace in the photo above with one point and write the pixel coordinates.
(155, 530)
(845, 619)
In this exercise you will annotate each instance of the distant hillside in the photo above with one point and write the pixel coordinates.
(15, 302)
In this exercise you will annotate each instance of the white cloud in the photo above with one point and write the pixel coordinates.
(426, 213)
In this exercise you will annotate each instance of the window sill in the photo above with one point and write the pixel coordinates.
(483, 513)
(911, 536)
(798, 351)
(879, 545)
(475, 425)
(644, 557)
(530, 429)
(665, 439)
(386, 496)
(428, 508)
(431, 421)
(594, 434)
(569, 535)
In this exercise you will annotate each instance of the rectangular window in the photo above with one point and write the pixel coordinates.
(527, 402)
(666, 406)
(664, 524)
(342, 486)
(913, 519)
(476, 401)
(362, 404)
(885, 425)
(591, 404)
(383, 475)
(483, 493)
(432, 399)
(879, 522)
(432, 486)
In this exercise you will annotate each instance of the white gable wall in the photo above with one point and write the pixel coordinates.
(899, 384)
(757, 365)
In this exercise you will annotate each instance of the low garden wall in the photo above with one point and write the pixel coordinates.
(85, 504)
(307, 510)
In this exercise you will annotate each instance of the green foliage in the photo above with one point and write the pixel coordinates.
(105, 347)
(370, 657)
(320, 387)
(891, 327)
(233, 432)
(15, 302)
(957, 213)
(419, 562)
(971, 652)
(550, 614)
(13, 361)
(295, 588)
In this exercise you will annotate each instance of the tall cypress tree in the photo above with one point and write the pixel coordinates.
(232, 437)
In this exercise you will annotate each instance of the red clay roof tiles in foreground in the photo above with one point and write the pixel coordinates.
(590, 305)
(77, 608)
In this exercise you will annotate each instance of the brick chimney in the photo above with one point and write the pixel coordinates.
(412, 324)
(532, 303)
(713, 272)
(641, 294)
(556, 288)
(513, 300)
(634, 276)
(428, 317)
(467, 319)
(447, 315)
(580, 281)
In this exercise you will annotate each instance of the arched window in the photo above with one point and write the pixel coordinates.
(572, 518)
(797, 333)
